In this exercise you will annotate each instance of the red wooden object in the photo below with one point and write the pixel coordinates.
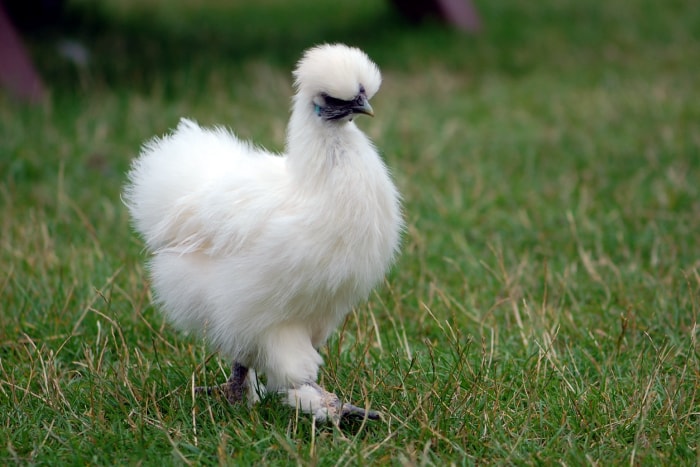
(17, 74)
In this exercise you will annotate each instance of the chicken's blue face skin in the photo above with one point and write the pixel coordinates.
(330, 108)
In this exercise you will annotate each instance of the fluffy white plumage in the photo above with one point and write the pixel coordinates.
(263, 254)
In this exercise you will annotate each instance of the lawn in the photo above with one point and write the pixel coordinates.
(544, 309)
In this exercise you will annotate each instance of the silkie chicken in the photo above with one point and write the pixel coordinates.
(262, 254)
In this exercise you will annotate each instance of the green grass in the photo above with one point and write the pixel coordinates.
(544, 309)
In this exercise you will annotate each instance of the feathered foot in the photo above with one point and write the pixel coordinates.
(325, 406)
(234, 389)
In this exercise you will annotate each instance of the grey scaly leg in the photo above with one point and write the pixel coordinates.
(234, 389)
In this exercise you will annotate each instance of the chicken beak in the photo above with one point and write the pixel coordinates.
(362, 106)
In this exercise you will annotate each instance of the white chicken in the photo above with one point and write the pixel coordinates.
(262, 254)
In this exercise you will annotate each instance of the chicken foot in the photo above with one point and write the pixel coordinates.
(326, 406)
(234, 389)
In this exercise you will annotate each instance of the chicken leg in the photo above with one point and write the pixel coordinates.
(292, 365)
(234, 389)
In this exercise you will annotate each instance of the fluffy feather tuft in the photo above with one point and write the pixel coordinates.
(337, 70)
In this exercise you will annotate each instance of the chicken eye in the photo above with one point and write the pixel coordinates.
(335, 102)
